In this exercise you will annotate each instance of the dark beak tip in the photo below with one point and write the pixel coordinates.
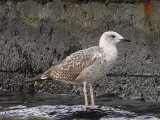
(126, 40)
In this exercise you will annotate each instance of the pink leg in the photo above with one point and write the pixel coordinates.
(92, 97)
(85, 94)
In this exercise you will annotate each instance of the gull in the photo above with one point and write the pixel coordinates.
(87, 65)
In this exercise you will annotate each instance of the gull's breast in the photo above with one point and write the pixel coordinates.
(97, 70)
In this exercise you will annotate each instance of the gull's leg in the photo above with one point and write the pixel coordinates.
(85, 94)
(92, 97)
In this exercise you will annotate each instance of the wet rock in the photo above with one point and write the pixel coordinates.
(35, 106)
(72, 112)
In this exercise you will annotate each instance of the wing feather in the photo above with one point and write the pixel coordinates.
(70, 68)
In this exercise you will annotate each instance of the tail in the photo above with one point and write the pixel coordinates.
(35, 79)
(39, 78)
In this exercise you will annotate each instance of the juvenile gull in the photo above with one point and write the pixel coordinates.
(87, 65)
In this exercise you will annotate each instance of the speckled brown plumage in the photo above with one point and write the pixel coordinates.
(70, 68)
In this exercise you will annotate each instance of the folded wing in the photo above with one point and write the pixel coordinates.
(70, 68)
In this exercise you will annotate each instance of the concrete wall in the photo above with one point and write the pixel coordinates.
(36, 36)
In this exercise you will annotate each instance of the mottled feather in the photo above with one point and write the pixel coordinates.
(70, 68)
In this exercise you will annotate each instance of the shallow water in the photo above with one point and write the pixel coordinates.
(70, 107)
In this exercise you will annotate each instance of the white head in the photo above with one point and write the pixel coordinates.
(111, 38)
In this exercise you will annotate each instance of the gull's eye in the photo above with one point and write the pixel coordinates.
(113, 36)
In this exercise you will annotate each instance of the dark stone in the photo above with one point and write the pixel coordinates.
(88, 114)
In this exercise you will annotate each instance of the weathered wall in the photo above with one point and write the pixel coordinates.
(36, 36)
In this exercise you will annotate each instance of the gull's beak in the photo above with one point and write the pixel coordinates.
(125, 40)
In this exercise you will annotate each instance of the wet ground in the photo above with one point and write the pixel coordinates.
(37, 106)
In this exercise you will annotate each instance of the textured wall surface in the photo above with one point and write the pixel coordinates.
(36, 36)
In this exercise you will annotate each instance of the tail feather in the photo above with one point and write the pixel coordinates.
(35, 79)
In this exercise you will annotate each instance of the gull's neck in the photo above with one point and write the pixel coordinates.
(109, 49)
(105, 44)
